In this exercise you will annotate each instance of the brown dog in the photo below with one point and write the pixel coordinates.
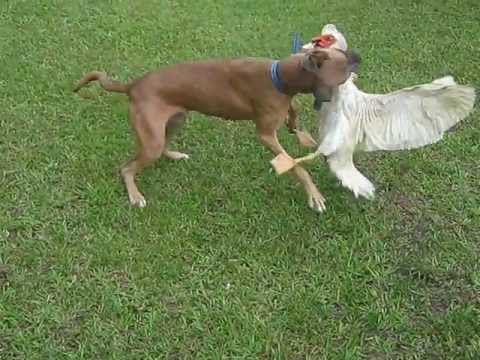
(236, 89)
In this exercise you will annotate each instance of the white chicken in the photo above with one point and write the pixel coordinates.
(405, 119)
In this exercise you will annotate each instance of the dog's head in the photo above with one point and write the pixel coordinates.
(331, 67)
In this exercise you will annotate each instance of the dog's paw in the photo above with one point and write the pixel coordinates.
(316, 202)
(137, 200)
(305, 139)
(176, 155)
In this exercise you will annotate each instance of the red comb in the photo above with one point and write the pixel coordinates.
(323, 41)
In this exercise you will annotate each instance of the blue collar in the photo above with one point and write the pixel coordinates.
(296, 47)
(297, 43)
(275, 76)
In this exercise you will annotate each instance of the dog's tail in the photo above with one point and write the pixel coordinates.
(107, 83)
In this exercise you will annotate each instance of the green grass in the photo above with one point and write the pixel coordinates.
(227, 261)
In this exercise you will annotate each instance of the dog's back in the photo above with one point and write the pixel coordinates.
(220, 87)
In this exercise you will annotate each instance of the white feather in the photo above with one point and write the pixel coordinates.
(411, 117)
(405, 119)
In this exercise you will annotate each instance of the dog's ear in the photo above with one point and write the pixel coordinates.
(354, 59)
(313, 59)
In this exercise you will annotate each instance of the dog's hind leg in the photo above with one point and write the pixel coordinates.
(149, 120)
(174, 125)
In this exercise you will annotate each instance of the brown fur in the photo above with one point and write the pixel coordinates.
(239, 89)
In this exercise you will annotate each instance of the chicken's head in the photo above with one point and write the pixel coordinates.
(330, 37)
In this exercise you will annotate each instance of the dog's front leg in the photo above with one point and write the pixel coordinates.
(303, 136)
(315, 199)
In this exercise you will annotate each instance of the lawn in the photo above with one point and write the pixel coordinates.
(227, 261)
